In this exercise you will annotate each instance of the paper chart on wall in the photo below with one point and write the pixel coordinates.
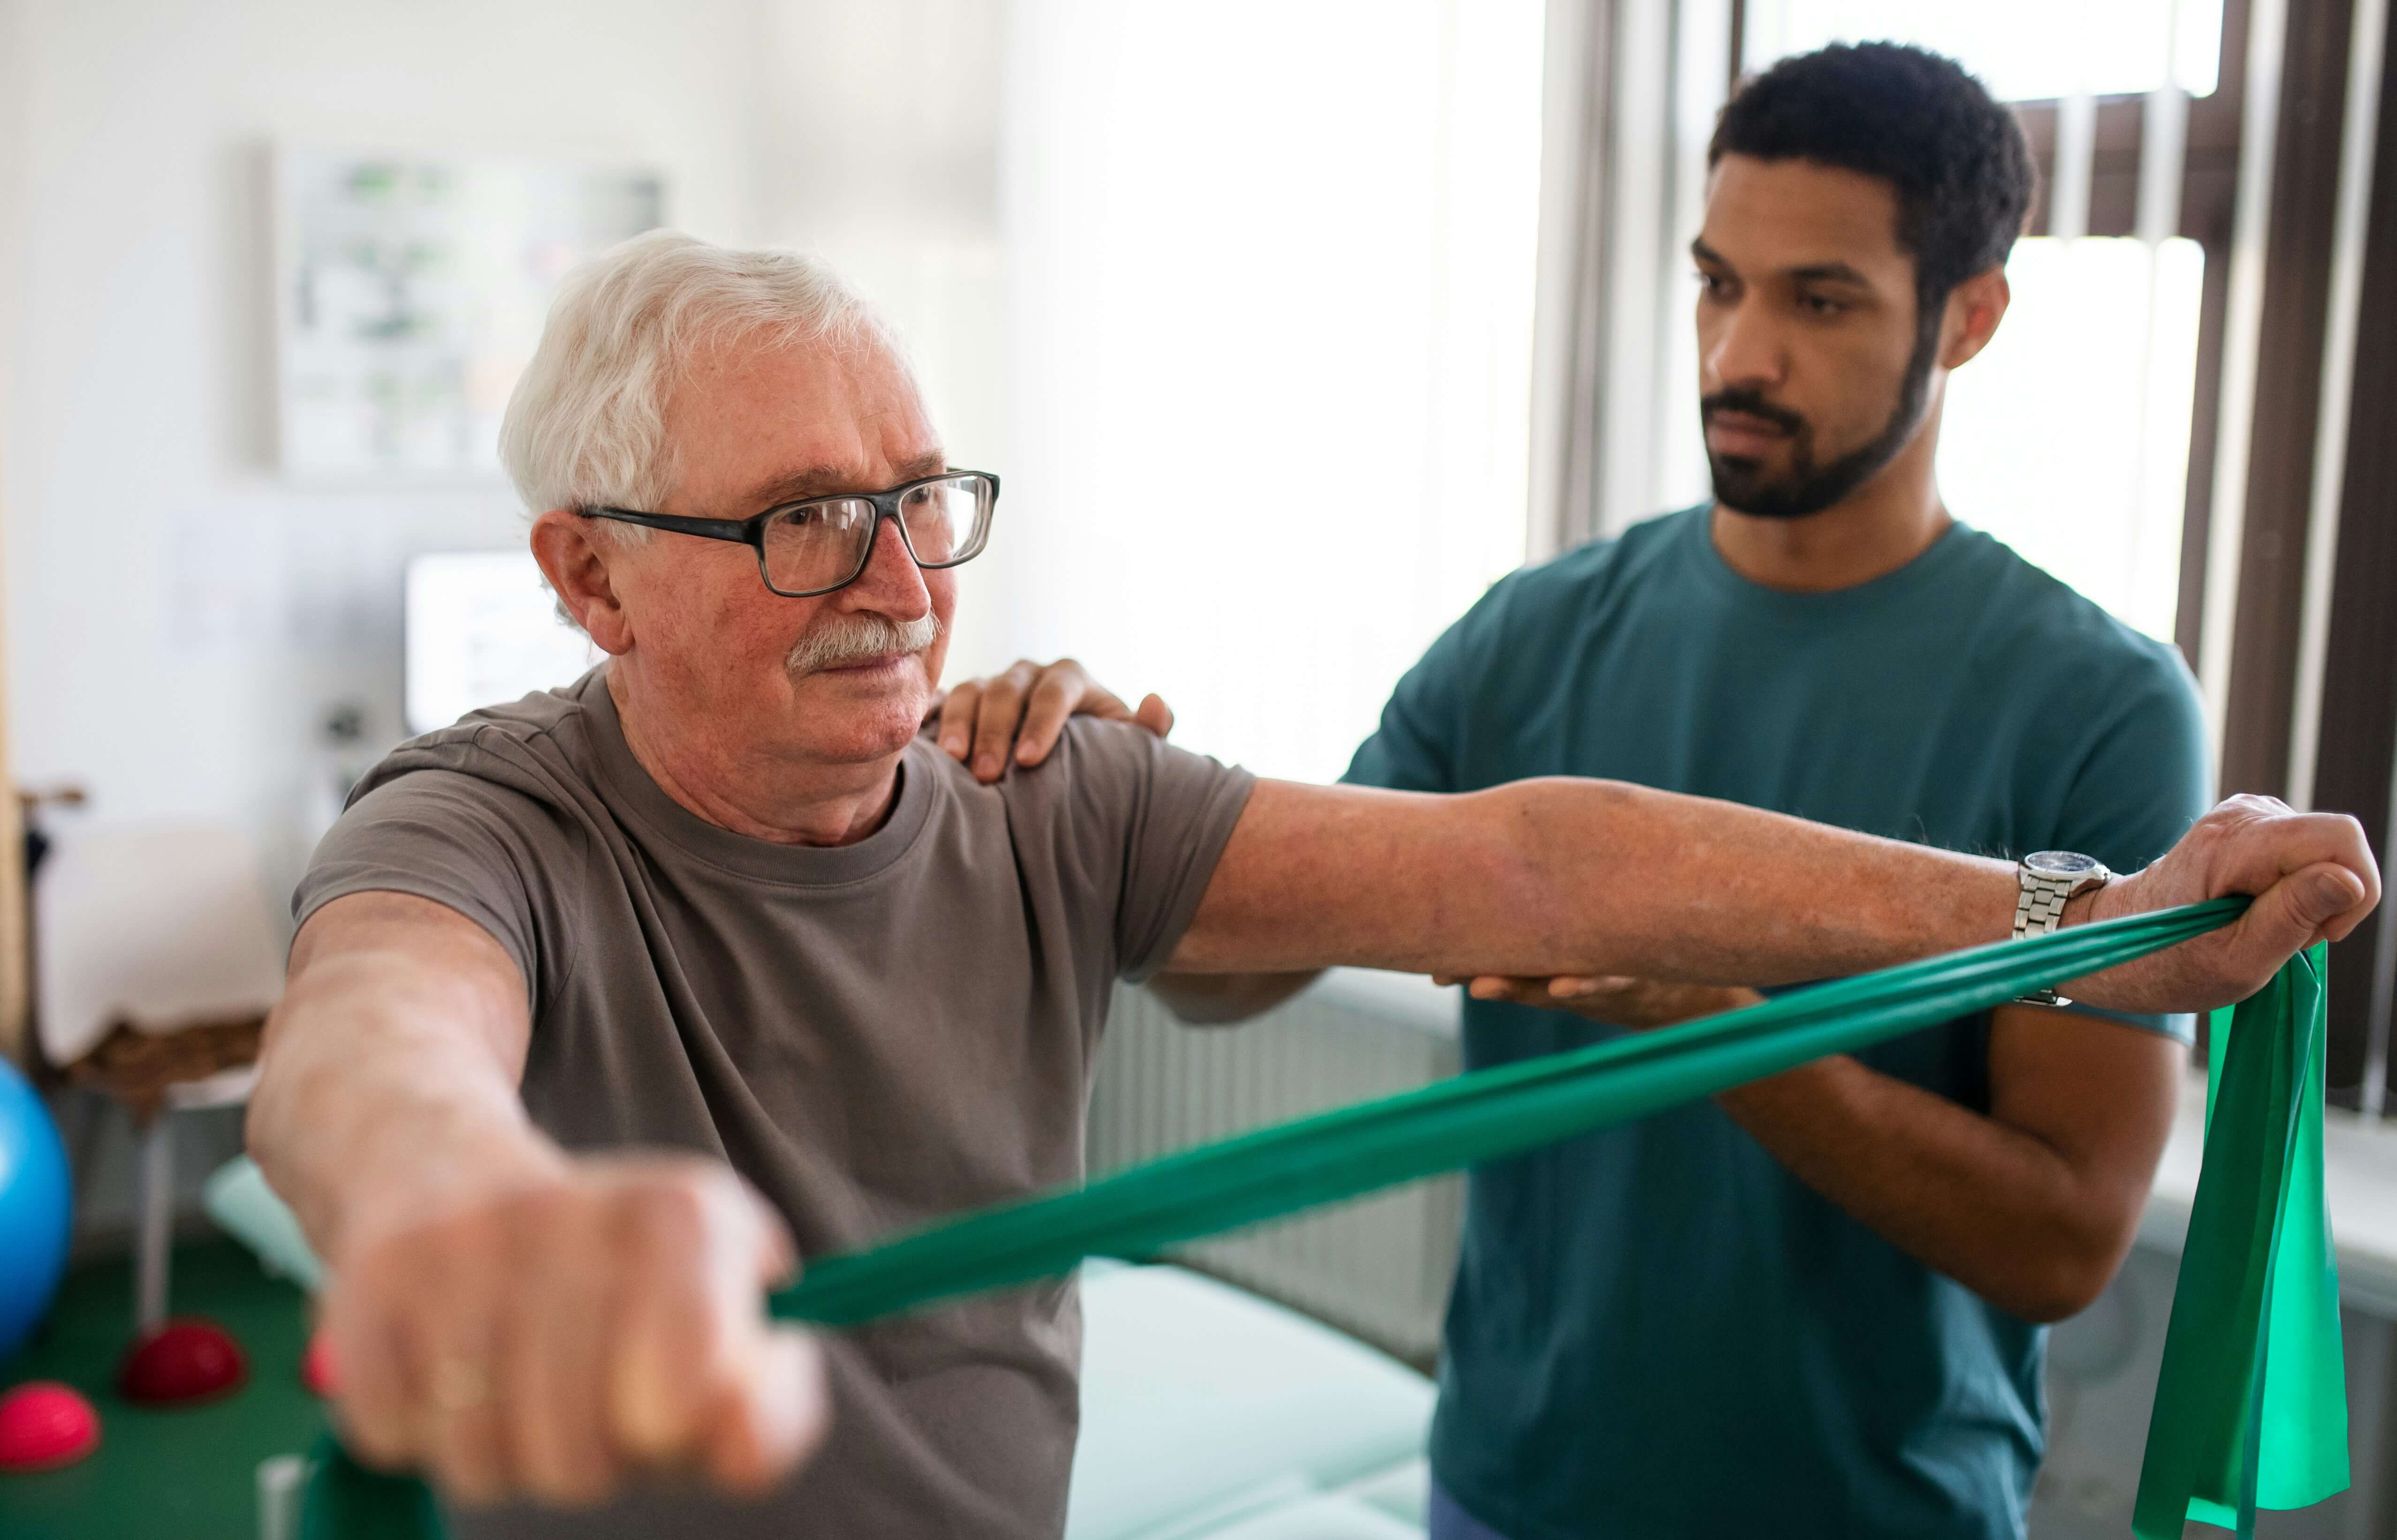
(411, 289)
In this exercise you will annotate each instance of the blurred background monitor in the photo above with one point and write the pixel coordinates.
(482, 627)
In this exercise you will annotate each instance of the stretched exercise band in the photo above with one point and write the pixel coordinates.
(2250, 1410)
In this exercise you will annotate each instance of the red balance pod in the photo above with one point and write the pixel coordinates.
(45, 1425)
(183, 1361)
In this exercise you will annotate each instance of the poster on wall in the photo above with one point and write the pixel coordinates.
(410, 290)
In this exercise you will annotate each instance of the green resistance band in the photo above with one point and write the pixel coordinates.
(2251, 1404)
(2211, 1452)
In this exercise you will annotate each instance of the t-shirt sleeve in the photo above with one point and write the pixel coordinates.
(2147, 777)
(1150, 823)
(462, 842)
(1414, 747)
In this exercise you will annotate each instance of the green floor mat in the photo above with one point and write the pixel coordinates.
(188, 1473)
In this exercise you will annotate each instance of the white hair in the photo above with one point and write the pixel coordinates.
(586, 424)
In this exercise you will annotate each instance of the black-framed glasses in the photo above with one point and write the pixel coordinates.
(821, 543)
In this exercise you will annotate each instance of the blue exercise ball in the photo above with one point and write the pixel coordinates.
(37, 1209)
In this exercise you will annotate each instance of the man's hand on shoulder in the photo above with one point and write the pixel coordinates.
(1027, 708)
(2313, 877)
(556, 1338)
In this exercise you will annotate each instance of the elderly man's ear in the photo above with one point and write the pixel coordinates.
(573, 556)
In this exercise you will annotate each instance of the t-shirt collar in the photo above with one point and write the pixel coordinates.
(633, 792)
(1890, 587)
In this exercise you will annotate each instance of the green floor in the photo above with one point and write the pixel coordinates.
(191, 1473)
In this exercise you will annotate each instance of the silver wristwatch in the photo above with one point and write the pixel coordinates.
(2049, 880)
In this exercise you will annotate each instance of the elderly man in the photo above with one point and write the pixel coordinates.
(609, 1007)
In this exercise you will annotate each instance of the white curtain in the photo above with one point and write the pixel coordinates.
(1270, 269)
(1633, 87)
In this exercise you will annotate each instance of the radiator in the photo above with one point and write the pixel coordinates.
(1378, 1267)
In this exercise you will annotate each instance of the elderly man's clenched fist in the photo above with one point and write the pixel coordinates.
(2313, 877)
(557, 1339)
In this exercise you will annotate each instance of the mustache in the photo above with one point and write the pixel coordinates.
(1748, 403)
(855, 638)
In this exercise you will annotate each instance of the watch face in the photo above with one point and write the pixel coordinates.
(2063, 863)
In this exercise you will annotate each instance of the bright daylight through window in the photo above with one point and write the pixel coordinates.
(2068, 439)
(1271, 322)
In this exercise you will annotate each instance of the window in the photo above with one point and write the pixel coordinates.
(1270, 312)
(2024, 51)
(2068, 437)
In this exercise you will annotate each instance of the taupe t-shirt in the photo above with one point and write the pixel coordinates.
(874, 1035)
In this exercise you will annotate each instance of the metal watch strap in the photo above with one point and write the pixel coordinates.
(2040, 909)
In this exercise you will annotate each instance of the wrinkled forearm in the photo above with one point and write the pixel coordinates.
(1561, 875)
(373, 1107)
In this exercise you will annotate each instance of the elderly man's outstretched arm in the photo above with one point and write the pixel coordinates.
(1633, 881)
(607, 1307)
(1638, 866)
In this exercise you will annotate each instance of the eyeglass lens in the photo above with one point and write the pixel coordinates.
(825, 544)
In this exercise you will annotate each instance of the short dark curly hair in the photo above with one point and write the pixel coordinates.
(1914, 118)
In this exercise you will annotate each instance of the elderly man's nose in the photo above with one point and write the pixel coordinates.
(891, 581)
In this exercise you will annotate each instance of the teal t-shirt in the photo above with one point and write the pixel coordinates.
(1656, 1330)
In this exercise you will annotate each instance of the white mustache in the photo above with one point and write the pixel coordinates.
(854, 638)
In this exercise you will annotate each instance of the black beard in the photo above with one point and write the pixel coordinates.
(1741, 484)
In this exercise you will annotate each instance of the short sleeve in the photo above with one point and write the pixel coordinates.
(2147, 777)
(1148, 822)
(463, 843)
(1414, 747)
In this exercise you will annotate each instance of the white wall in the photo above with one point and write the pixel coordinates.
(179, 617)
(881, 133)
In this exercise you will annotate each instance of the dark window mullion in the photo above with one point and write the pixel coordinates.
(2358, 741)
(2288, 398)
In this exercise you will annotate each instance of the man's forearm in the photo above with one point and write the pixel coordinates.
(1991, 1206)
(371, 1104)
(1578, 877)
